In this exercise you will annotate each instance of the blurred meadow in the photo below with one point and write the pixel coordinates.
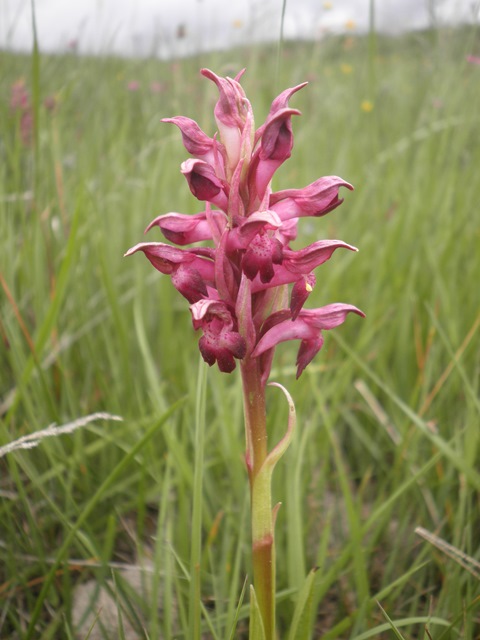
(149, 515)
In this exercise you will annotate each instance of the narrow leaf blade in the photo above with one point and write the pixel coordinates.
(302, 616)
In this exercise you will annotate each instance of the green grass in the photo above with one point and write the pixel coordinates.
(388, 413)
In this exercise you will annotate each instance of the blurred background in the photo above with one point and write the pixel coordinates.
(168, 28)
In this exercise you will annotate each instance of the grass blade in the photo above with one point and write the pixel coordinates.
(302, 615)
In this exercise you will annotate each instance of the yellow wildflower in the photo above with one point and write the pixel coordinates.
(366, 106)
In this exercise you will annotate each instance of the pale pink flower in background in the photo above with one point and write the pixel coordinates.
(157, 87)
(20, 104)
(19, 96)
(50, 103)
(473, 59)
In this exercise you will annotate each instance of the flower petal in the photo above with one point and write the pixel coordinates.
(191, 273)
(302, 262)
(307, 351)
(204, 183)
(287, 330)
(221, 341)
(280, 102)
(316, 199)
(307, 259)
(233, 113)
(260, 256)
(329, 316)
(194, 139)
(275, 147)
(241, 235)
(306, 327)
(181, 228)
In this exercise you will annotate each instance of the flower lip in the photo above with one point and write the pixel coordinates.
(307, 327)
(299, 263)
(194, 139)
(221, 341)
(166, 258)
(182, 228)
(316, 199)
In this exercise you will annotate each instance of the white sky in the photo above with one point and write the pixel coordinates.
(143, 27)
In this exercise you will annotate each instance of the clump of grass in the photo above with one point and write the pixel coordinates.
(388, 417)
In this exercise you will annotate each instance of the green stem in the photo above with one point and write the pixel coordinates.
(263, 543)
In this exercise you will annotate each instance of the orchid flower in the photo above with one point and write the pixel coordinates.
(247, 287)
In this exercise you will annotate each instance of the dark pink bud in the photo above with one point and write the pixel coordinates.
(277, 138)
(280, 102)
(307, 351)
(233, 114)
(275, 147)
(302, 288)
(316, 199)
(204, 183)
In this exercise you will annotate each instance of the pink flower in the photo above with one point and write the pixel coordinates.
(20, 104)
(473, 59)
(307, 327)
(183, 229)
(19, 96)
(248, 288)
(133, 85)
(190, 271)
(221, 341)
(50, 103)
(198, 143)
(316, 199)
(157, 87)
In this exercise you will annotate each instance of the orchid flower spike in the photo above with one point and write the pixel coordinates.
(247, 287)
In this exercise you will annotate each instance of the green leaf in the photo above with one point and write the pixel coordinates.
(396, 632)
(302, 616)
(257, 632)
(404, 622)
(87, 510)
(237, 612)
